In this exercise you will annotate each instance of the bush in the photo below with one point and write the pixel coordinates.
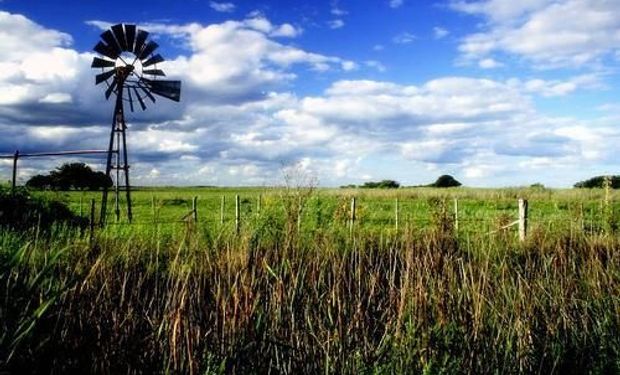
(384, 184)
(599, 182)
(445, 181)
(22, 210)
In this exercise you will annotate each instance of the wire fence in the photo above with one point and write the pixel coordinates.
(463, 216)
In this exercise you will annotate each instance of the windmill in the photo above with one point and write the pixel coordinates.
(128, 65)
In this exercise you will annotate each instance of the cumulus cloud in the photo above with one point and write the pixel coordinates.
(549, 33)
(239, 122)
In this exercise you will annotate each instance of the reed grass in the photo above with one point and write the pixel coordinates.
(288, 298)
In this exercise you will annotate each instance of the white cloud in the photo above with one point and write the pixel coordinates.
(336, 10)
(237, 121)
(489, 63)
(404, 38)
(396, 3)
(222, 7)
(335, 24)
(549, 33)
(440, 32)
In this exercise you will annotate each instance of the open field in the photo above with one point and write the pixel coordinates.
(295, 293)
(479, 210)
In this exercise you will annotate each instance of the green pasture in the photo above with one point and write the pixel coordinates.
(477, 210)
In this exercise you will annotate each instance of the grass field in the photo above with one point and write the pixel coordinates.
(302, 293)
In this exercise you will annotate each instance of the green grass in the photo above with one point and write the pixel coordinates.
(284, 296)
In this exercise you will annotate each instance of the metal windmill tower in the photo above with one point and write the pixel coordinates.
(129, 68)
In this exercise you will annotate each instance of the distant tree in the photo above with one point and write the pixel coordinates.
(69, 176)
(384, 184)
(599, 182)
(445, 181)
(39, 182)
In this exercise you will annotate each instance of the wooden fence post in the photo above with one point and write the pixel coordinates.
(92, 220)
(222, 204)
(153, 207)
(522, 219)
(14, 181)
(258, 204)
(237, 214)
(195, 209)
(352, 218)
(456, 216)
(396, 214)
(81, 213)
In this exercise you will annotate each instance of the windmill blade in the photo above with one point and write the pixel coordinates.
(130, 99)
(148, 49)
(111, 42)
(102, 63)
(104, 50)
(130, 36)
(140, 39)
(146, 90)
(119, 34)
(167, 89)
(154, 72)
(104, 76)
(153, 60)
(139, 99)
(111, 88)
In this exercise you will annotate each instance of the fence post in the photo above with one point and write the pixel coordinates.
(352, 218)
(396, 214)
(92, 220)
(522, 219)
(195, 209)
(222, 203)
(258, 203)
(81, 213)
(153, 207)
(456, 216)
(237, 214)
(14, 181)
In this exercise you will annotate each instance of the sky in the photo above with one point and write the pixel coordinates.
(493, 92)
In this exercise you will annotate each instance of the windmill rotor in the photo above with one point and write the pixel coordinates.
(127, 63)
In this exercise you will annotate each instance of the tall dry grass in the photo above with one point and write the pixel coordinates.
(281, 298)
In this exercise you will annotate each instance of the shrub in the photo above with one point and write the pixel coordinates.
(384, 184)
(445, 181)
(21, 210)
(599, 182)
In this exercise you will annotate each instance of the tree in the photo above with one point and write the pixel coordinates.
(384, 184)
(69, 176)
(445, 181)
(599, 182)
(39, 182)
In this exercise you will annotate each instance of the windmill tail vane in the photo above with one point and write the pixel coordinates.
(127, 64)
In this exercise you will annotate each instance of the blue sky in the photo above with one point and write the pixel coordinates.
(494, 92)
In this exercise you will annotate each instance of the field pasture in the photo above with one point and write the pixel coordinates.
(291, 293)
